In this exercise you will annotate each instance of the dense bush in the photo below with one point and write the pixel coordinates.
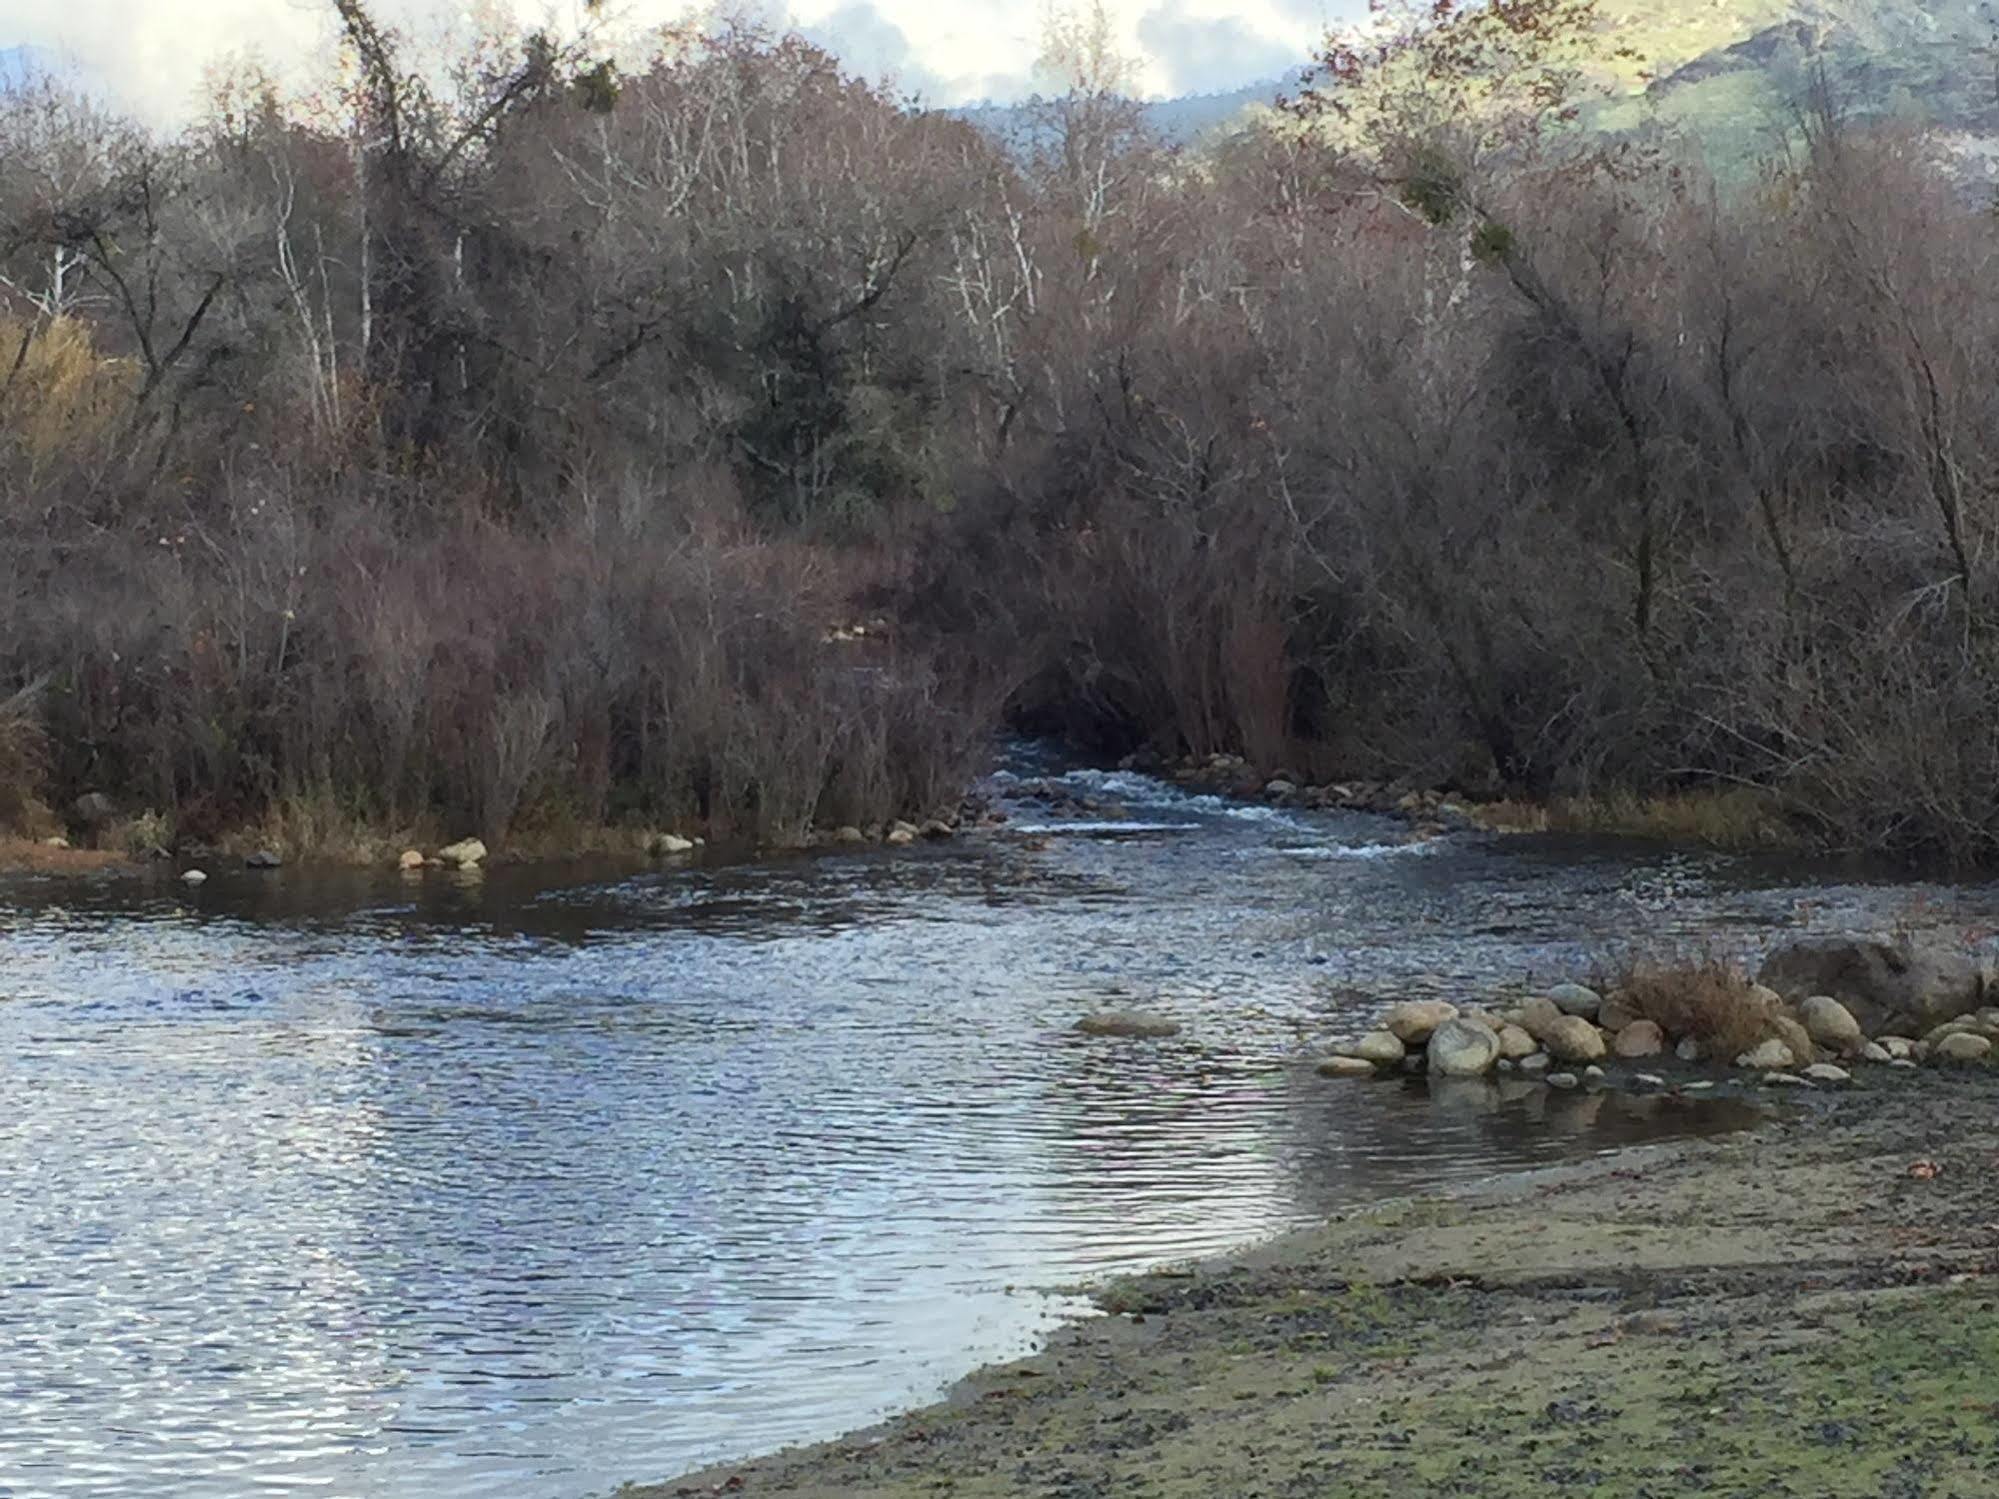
(514, 451)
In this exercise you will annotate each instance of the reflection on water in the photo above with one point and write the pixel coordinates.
(529, 1184)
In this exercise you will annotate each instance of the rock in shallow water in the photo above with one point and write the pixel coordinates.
(463, 854)
(1825, 1072)
(1574, 999)
(1641, 1038)
(1345, 1067)
(1573, 1039)
(1463, 1048)
(1380, 1049)
(1128, 1025)
(1414, 1021)
(1770, 1056)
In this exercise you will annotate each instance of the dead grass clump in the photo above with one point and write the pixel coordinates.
(24, 750)
(1733, 818)
(1713, 1001)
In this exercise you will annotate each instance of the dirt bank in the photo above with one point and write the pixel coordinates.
(1809, 1311)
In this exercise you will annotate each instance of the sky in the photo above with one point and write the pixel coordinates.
(150, 54)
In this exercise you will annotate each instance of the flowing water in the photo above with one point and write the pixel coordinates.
(529, 1184)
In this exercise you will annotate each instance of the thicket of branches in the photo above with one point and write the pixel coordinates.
(472, 450)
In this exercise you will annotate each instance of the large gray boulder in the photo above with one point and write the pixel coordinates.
(1463, 1048)
(1886, 986)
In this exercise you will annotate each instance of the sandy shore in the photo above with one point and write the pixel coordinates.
(1808, 1311)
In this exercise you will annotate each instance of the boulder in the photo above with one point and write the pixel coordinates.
(1616, 1014)
(1873, 1051)
(937, 829)
(1564, 1080)
(263, 858)
(1413, 1021)
(1574, 999)
(1963, 1047)
(1463, 1048)
(671, 843)
(1514, 1043)
(1825, 1072)
(1771, 1055)
(1794, 1036)
(411, 859)
(1128, 1025)
(903, 827)
(1784, 1080)
(1885, 986)
(1345, 1067)
(1380, 1049)
(900, 837)
(1899, 1048)
(94, 810)
(1573, 1039)
(466, 853)
(194, 877)
(1831, 1025)
(1641, 1038)
(1536, 1015)
(849, 834)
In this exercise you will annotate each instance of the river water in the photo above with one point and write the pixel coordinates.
(524, 1185)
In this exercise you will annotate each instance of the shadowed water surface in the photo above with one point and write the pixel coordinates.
(529, 1184)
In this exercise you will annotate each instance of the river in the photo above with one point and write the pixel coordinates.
(526, 1184)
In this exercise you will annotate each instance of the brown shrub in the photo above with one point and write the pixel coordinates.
(1709, 999)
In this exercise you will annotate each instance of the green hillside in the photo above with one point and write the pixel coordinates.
(1734, 72)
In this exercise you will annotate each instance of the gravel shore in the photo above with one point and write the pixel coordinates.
(1809, 1310)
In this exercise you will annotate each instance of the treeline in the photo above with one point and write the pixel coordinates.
(517, 450)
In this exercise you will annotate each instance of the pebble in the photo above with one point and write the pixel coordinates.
(1539, 1062)
(1345, 1067)
(194, 877)
(1564, 1080)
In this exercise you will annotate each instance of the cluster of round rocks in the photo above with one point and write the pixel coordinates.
(1572, 1027)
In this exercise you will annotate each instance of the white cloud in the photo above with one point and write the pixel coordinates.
(152, 53)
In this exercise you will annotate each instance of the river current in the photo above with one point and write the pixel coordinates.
(524, 1185)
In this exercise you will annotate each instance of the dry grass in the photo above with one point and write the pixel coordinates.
(30, 856)
(1734, 818)
(1711, 1000)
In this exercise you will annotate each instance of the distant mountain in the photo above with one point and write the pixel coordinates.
(1732, 72)
(1183, 121)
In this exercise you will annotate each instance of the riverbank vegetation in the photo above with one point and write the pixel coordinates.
(515, 438)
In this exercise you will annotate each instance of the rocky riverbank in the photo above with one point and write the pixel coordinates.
(1815, 1010)
(1806, 1310)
